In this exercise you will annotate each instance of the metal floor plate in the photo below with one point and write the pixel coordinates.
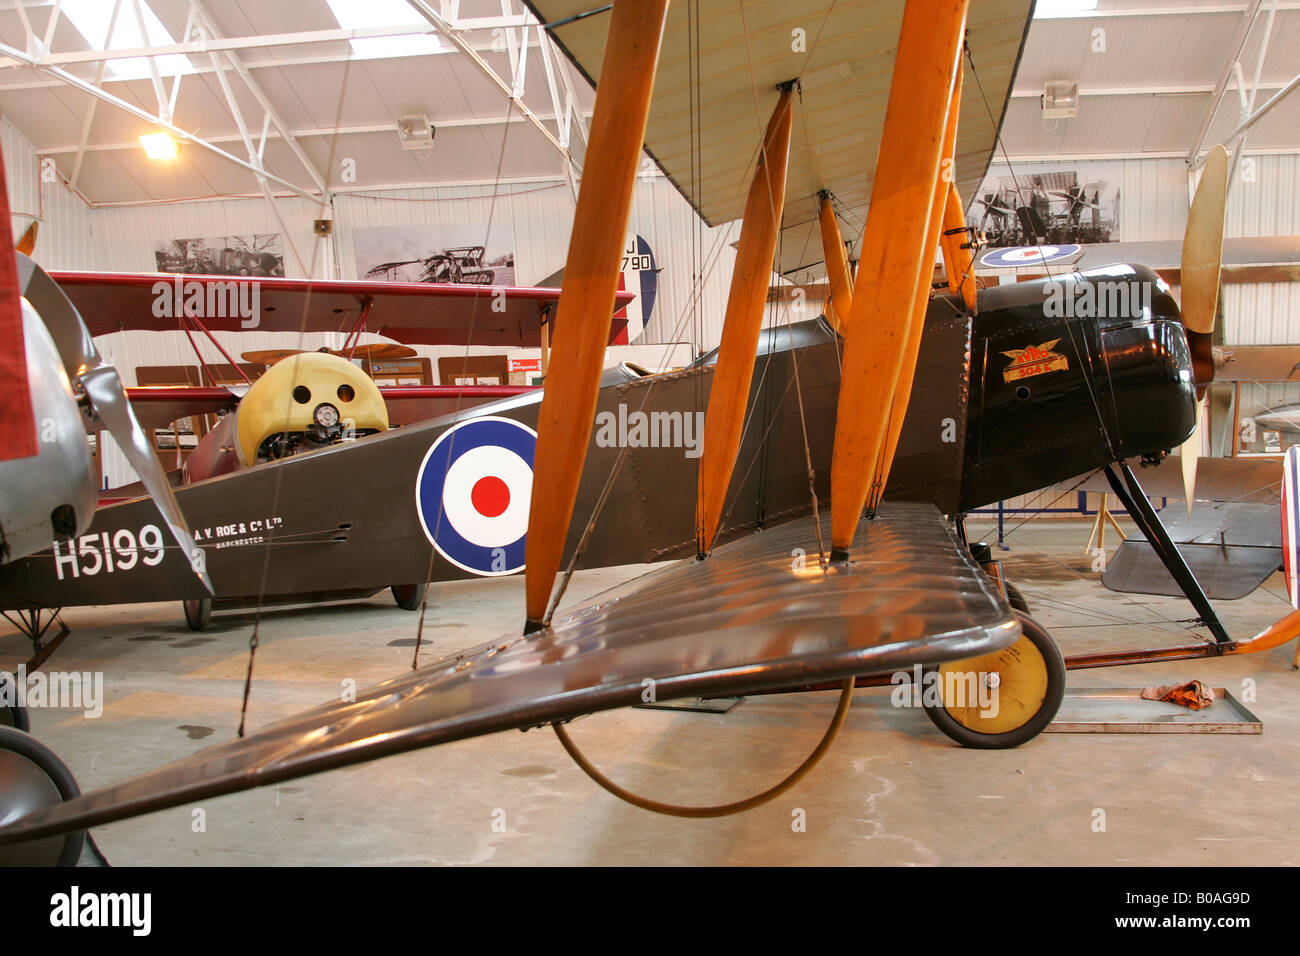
(1122, 710)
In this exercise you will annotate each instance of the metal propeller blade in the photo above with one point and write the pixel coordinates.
(107, 400)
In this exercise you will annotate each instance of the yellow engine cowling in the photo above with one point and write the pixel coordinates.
(291, 399)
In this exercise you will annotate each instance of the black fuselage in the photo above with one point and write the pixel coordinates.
(1045, 383)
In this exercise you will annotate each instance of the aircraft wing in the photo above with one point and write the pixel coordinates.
(1167, 253)
(1259, 363)
(408, 404)
(157, 406)
(843, 52)
(755, 615)
(1231, 547)
(417, 313)
(1254, 480)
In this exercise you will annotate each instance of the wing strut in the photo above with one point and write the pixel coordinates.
(924, 285)
(840, 281)
(750, 281)
(893, 250)
(586, 305)
(958, 244)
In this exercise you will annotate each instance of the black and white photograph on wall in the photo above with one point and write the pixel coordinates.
(1055, 203)
(260, 254)
(460, 253)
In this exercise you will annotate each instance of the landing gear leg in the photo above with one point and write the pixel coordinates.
(35, 623)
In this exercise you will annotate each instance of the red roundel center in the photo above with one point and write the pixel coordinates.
(490, 496)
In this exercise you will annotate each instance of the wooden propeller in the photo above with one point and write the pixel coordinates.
(1202, 266)
(27, 243)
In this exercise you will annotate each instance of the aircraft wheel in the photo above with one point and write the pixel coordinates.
(1015, 598)
(409, 597)
(15, 715)
(32, 778)
(1029, 680)
(198, 613)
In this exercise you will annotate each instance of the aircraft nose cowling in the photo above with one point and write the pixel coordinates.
(290, 398)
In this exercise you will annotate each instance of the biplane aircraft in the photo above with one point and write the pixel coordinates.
(269, 419)
(905, 407)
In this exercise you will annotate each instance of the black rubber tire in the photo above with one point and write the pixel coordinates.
(409, 597)
(42, 759)
(198, 613)
(14, 715)
(1032, 727)
(1015, 598)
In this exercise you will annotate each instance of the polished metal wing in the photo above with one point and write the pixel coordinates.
(760, 613)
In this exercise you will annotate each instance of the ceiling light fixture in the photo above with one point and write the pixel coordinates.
(160, 146)
(1060, 99)
(415, 131)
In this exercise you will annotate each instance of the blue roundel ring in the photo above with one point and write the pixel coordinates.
(477, 445)
(1019, 256)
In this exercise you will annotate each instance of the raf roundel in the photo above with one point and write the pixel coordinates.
(473, 493)
(1028, 255)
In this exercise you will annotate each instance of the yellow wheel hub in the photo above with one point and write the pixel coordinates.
(996, 693)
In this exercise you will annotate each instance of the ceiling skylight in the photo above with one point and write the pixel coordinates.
(357, 14)
(1052, 9)
(92, 17)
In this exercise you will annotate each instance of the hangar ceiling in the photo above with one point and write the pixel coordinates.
(297, 86)
(289, 90)
(1159, 76)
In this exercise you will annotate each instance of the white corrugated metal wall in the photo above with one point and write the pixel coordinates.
(1266, 201)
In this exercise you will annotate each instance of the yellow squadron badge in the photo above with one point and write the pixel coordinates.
(1034, 360)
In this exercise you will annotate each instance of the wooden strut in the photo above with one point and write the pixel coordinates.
(839, 281)
(924, 284)
(586, 306)
(1098, 533)
(894, 249)
(958, 248)
(743, 321)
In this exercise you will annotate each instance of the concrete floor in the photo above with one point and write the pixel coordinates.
(892, 791)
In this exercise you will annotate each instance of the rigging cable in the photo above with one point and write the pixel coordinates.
(723, 809)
